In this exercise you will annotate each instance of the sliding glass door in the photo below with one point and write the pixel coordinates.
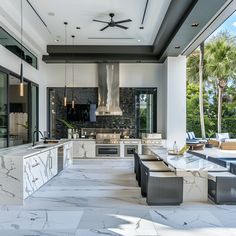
(18, 114)
(146, 111)
(3, 111)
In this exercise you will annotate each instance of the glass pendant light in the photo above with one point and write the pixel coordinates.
(73, 77)
(65, 88)
(21, 41)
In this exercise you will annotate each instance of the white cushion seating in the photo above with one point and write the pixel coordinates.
(147, 157)
(156, 166)
(213, 175)
(230, 140)
(222, 136)
(162, 174)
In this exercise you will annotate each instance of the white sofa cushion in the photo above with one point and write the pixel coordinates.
(222, 136)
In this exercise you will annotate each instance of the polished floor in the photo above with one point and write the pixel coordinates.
(101, 197)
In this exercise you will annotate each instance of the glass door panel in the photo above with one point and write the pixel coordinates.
(34, 111)
(3, 111)
(19, 112)
(146, 111)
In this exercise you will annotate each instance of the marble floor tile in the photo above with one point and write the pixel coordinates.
(101, 197)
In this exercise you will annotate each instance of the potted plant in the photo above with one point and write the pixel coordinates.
(70, 128)
(210, 134)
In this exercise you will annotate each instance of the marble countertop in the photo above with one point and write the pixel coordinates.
(217, 152)
(187, 162)
(27, 150)
(92, 139)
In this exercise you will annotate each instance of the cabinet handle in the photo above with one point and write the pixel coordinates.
(50, 162)
(37, 164)
(34, 180)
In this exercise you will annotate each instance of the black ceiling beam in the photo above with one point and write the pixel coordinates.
(99, 49)
(85, 58)
(174, 18)
(202, 12)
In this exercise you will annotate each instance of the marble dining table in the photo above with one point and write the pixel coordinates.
(194, 171)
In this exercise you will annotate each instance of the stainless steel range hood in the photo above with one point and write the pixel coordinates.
(108, 90)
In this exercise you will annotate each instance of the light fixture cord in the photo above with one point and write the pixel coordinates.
(65, 50)
(21, 26)
(73, 70)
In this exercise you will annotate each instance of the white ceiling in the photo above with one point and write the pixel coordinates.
(82, 12)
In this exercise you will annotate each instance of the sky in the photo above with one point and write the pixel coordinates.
(229, 25)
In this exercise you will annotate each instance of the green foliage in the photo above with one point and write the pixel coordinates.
(67, 124)
(220, 63)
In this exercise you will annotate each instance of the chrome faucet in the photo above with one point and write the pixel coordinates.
(34, 139)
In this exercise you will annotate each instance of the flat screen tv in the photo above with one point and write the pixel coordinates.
(81, 112)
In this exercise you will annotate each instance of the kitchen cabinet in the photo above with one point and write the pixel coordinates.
(38, 169)
(83, 148)
(25, 169)
(68, 154)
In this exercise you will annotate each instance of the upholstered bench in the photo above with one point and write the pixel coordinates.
(143, 158)
(164, 188)
(222, 187)
(148, 166)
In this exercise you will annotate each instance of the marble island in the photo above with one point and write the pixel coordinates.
(24, 168)
(194, 171)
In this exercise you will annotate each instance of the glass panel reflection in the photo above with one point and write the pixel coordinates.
(18, 117)
(3, 110)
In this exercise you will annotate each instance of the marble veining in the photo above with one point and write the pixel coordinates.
(101, 197)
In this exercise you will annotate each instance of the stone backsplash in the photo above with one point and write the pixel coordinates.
(89, 96)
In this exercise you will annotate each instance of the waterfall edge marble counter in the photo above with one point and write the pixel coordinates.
(194, 171)
(24, 169)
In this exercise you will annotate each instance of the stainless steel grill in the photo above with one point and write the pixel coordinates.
(107, 138)
(151, 140)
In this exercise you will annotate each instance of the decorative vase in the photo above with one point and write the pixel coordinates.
(70, 133)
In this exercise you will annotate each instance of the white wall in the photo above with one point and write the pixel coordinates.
(176, 100)
(11, 62)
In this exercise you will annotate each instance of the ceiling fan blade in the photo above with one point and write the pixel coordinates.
(121, 26)
(104, 28)
(101, 21)
(123, 21)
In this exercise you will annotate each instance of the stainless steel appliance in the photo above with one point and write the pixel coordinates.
(130, 149)
(108, 90)
(107, 150)
(151, 140)
(107, 144)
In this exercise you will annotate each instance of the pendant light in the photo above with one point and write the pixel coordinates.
(73, 76)
(21, 42)
(65, 88)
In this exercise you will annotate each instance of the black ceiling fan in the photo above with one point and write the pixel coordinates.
(113, 23)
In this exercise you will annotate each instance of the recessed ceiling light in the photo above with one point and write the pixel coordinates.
(194, 24)
(177, 46)
(51, 13)
(139, 40)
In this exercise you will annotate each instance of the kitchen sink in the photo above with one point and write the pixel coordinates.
(52, 141)
(39, 147)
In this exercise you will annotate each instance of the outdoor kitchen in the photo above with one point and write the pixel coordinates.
(107, 120)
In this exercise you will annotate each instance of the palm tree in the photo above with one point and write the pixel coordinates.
(220, 64)
(195, 72)
(201, 73)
